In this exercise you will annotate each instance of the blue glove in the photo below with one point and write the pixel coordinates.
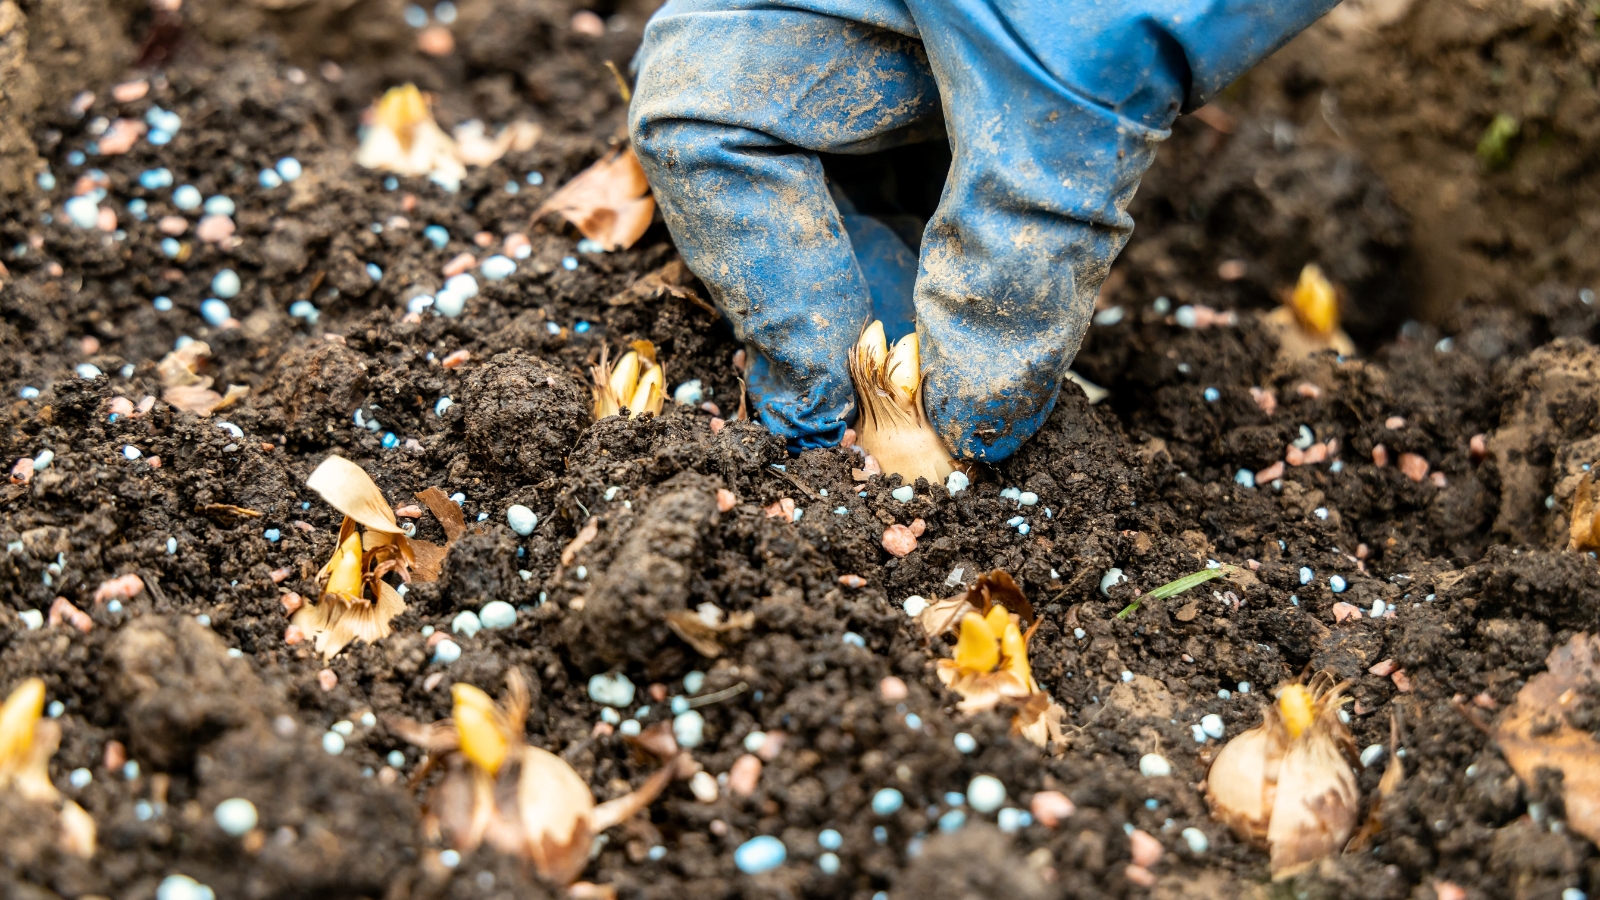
(1052, 109)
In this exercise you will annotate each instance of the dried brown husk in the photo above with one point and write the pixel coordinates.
(706, 630)
(534, 806)
(1536, 732)
(892, 426)
(609, 202)
(476, 148)
(1039, 720)
(1243, 782)
(1294, 795)
(994, 587)
(1318, 800)
(361, 608)
(184, 388)
(1584, 532)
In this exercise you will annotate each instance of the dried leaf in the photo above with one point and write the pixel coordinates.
(673, 279)
(177, 368)
(349, 489)
(447, 511)
(1535, 732)
(609, 202)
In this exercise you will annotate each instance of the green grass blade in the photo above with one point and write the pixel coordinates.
(1178, 586)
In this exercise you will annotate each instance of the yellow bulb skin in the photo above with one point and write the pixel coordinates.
(1298, 709)
(483, 741)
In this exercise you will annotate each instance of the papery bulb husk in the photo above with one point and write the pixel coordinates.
(892, 426)
(554, 805)
(335, 621)
(463, 804)
(1315, 810)
(348, 488)
(1039, 720)
(78, 831)
(1243, 781)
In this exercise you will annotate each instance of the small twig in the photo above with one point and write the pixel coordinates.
(792, 480)
(1459, 704)
(622, 83)
(720, 696)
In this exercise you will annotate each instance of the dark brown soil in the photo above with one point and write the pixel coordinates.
(1475, 570)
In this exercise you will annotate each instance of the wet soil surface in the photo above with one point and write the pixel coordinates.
(1465, 567)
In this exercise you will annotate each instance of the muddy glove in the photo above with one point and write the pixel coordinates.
(1052, 109)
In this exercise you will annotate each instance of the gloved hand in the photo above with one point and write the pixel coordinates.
(1052, 108)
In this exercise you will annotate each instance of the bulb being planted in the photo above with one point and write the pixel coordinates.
(1308, 320)
(399, 135)
(636, 383)
(990, 664)
(355, 600)
(522, 800)
(27, 741)
(1287, 785)
(892, 427)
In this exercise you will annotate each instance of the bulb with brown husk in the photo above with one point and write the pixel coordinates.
(521, 800)
(1287, 785)
(355, 601)
(27, 741)
(636, 383)
(892, 426)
